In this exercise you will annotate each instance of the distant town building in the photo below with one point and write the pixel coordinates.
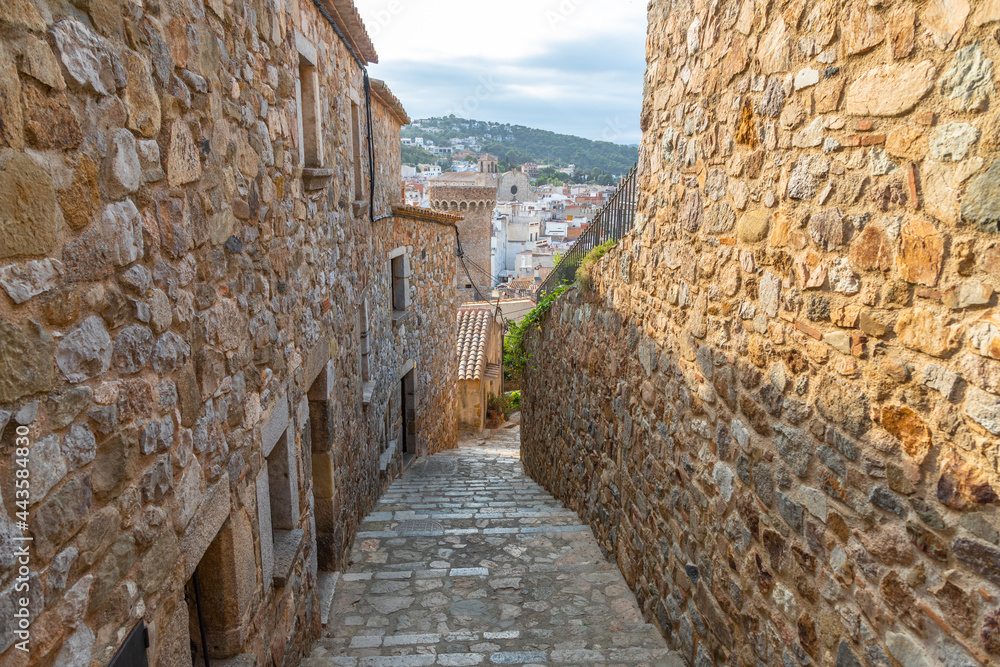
(480, 364)
(530, 168)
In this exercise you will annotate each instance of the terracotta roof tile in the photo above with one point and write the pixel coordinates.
(473, 334)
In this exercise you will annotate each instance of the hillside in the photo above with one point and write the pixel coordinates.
(516, 144)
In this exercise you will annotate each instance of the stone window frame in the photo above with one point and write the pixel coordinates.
(365, 352)
(278, 546)
(399, 283)
(356, 149)
(308, 65)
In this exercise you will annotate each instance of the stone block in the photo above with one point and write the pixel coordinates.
(274, 425)
(26, 352)
(264, 529)
(28, 225)
(205, 525)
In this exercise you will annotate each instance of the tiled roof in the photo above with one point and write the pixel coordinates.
(473, 334)
(382, 93)
(346, 16)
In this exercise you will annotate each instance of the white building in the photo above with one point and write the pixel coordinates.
(408, 171)
(430, 170)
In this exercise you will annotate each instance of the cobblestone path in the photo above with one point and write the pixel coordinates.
(468, 562)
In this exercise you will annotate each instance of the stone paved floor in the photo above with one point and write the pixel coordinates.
(468, 562)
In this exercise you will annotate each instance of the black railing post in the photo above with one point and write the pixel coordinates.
(612, 221)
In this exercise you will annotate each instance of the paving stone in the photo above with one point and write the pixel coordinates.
(502, 540)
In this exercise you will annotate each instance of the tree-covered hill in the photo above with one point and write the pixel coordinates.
(516, 144)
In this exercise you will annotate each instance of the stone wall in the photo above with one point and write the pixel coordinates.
(181, 320)
(432, 248)
(475, 204)
(779, 407)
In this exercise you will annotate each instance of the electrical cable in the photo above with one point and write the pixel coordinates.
(371, 147)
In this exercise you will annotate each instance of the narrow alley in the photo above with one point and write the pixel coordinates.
(467, 561)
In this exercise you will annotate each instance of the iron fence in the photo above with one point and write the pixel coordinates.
(612, 222)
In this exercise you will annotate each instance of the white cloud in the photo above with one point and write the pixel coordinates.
(571, 66)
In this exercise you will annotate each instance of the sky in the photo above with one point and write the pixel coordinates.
(570, 66)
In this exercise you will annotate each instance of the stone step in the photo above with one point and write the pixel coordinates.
(327, 585)
(604, 635)
(623, 657)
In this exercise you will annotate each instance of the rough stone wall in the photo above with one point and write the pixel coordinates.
(432, 250)
(475, 204)
(780, 406)
(176, 305)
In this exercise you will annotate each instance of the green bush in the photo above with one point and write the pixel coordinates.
(499, 404)
(515, 358)
(583, 272)
(515, 400)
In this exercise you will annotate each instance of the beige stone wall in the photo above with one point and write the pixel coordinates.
(475, 204)
(180, 323)
(779, 408)
(432, 250)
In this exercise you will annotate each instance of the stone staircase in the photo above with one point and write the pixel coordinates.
(466, 561)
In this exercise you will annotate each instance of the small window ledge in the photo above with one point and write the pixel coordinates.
(360, 207)
(286, 547)
(314, 178)
(400, 316)
(367, 390)
(386, 458)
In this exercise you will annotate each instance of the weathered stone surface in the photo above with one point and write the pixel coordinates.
(921, 253)
(25, 360)
(753, 226)
(62, 409)
(122, 227)
(984, 408)
(952, 141)
(795, 448)
(85, 352)
(941, 379)
(981, 205)
(911, 431)
(11, 116)
(132, 349)
(49, 122)
(921, 329)
(60, 515)
(84, 57)
(37, 61)
(809, 136)
(911, 81)
(861, 28)
(182, 160)
(23, 14)
(79, 202)
(906, 650)
(907, 142)
(844, 405)
(945, 19)
(27, 209)
(980, 557)
(24, 281)
(46, 466)
(775, 48)
(961, 484)
(827, 228)
(122, 173)
(140, 97)
(940, 191)
(872, 250)
(966, 295)
(967, 84)
(987, 11)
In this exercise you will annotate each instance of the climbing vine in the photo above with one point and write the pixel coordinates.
(515, 358)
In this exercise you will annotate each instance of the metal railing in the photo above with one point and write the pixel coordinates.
(613, 221)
